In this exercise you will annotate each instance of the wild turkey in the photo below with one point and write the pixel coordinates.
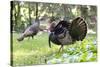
(66, 33)
(31, 31)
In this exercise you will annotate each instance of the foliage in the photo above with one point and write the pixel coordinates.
(86, 51)
(36, 51)
(23, 13)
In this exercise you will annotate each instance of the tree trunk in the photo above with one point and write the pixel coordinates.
(64, 8)
(11, 15)
(17, 16)
(29, 13)
(11, 29)
(66, 12)
(84, 11)
(36, 10)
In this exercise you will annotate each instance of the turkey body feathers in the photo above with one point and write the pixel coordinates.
(66, 33)
(60, 35)
(54, 39)
(31, 31)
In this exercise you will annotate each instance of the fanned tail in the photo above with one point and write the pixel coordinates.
(78, 29)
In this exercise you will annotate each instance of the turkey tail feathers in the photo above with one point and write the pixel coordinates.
(78, 29)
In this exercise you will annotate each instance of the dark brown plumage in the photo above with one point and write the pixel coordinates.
(66, 33)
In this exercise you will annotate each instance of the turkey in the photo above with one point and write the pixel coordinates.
(31, 31)
(66, 33)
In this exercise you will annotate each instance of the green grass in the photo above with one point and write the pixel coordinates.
(37, 51)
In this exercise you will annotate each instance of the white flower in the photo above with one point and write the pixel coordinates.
(73, 58)
(49, 62)
(64, 55)
(71, 49)
(87, 46)
(90, 55)
(95, 42)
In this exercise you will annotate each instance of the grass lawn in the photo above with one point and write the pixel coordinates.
(37, 51)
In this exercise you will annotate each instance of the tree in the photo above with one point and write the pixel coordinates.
(29, 10)
(36, 10)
